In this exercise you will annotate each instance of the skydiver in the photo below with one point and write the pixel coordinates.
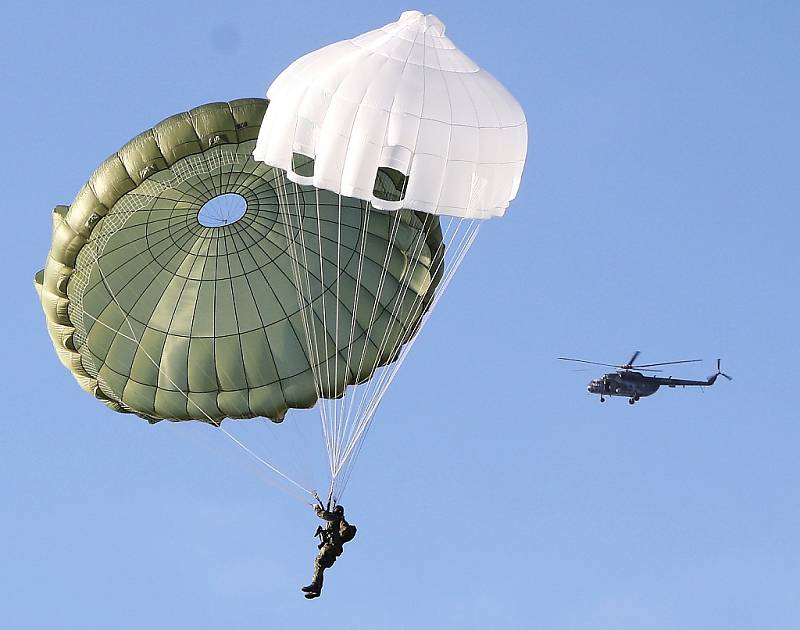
(332, 537)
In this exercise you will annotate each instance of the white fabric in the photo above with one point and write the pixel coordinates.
(403, 97)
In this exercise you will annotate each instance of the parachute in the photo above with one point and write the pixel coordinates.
(399, 100)
(244, 259)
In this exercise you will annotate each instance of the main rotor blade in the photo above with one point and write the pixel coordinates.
(584, 361)
(666, 363)
(633, 358)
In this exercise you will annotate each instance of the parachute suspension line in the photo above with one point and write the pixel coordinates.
(338, 303)
(393, 229)
(377, 304)
(374, 384)
(359, 439)
(360, 443)
(364, 422)
(395, 224)
(333, 405)
(359, 275)
(345, 423)
(332, 386)
(331, 420)
(340, 414)
(334, 422)
(324, 413)
(396, 307)
(155, 363)
(323, 291)
(307, 299)
(305, 302)
(260, 459)
(361, 426)
(325, 390)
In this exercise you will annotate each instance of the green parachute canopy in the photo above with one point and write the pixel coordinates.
(175, 283)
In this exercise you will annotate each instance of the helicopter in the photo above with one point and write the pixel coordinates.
(629, 381)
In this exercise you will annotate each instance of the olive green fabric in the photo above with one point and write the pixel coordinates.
(161, 316)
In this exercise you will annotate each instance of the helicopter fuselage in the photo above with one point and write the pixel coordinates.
(634, 385)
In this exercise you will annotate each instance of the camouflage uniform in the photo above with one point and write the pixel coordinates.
(333, 535)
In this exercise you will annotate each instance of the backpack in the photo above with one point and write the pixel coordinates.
(347, 531)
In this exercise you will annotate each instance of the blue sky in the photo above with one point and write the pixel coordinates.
(658, 212)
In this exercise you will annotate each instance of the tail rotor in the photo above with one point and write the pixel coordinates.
(719, 372)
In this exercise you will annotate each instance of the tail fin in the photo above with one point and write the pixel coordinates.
(713, 378)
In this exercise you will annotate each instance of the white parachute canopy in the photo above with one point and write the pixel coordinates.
(404, 100)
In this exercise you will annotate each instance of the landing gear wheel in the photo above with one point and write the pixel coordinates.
(636, 398)
(631, 401)
(602, 399)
